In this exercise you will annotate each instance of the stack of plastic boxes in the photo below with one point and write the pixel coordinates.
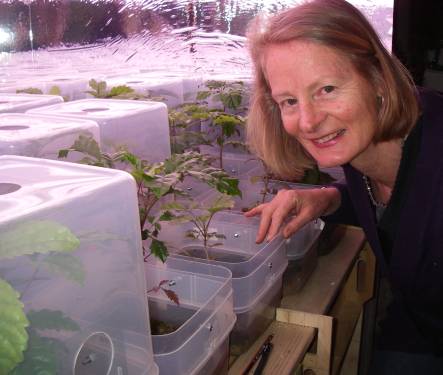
(22, 102)
(198, 323)
(73, 293)
(256, 270)
(42, 136)
(139, 126)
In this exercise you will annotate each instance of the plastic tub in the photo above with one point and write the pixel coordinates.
(22, 102)
(168, 88)
(255, 268)
(200, 323)
(78, 271)
(43, 136)
(140, 126)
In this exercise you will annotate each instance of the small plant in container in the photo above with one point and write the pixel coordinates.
(226, 122)
(184, 127)
(99, 89)
(200, 215)
(155, 181)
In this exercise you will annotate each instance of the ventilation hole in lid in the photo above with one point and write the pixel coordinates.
(13, 127)
(7, 187)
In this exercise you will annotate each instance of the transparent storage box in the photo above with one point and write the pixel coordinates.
(256, 268)
(140, 126)
(18, 103)
(72, 285)
(167, 89)
(255, 191)
(190, 337)
(301, 250)
(43, 136)
(236, 164)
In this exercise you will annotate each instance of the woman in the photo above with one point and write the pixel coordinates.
(328, 92)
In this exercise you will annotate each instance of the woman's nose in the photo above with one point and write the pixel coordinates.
(310, 117)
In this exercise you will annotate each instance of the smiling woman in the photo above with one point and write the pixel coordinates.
(327, 92)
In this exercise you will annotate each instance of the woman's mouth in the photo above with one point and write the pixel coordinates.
(328, 140)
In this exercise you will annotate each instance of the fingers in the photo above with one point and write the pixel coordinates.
(265, 221)
(296, 224)
(254, 211)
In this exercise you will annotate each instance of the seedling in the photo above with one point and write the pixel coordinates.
(100, 90)
(156, 181)
(226, 120)
(184, 126)
(200, 215)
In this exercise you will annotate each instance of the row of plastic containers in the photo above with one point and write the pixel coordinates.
(73, 281)
(171, 87)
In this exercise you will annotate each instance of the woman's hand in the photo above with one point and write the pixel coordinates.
(306, 205)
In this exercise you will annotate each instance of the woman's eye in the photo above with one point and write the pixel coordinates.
(288, 102)
(328, 89)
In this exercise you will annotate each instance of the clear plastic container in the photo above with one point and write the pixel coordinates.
(22, 102)
(140, 126)
(191, 337)
(236, 164)
(72, 270)
(255, 267)
(301, 250)
(43, 136)
(168, 88)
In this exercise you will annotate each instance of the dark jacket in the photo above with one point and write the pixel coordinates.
(415, 317)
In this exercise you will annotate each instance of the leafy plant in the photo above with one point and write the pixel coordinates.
(23, 350)
(157, 180)
(182, 120)
(229, 94)
(100, 90)
(200, 215)
(226, 120)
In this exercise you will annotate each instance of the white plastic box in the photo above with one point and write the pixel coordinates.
(42, 136)
(170, 89)
(140, 126)
(23, 102)
(69, 87)
(191, 81)
(201, 321)
(72, 269)
(256, 269)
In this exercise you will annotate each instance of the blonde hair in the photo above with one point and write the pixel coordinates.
(342, 27)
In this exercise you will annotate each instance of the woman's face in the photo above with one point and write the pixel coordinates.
(324, 103)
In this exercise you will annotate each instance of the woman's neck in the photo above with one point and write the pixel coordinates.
(380, 163)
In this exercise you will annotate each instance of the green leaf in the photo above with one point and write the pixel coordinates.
(231, 100)
(221, 202)
(120, 90)
(166, 216)
(63, 153)
(229, 186)
(66, 265)
(159, 249)
(173, 206)
(55, 90)
(51, 319)
(202, 95)
(40, 358)
(41, 237)
(13, 335)
(30, 90)
(215, 84)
